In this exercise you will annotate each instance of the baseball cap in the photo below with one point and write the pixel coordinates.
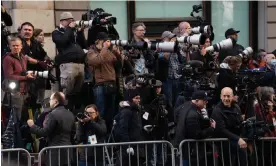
(167, 34)
(66, 15)
(230, 31)
(200, 95)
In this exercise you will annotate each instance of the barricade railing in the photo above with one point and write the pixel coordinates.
(221, 151)
(121, 154)
(15, 157)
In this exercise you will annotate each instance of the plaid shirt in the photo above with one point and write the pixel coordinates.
(174, 67)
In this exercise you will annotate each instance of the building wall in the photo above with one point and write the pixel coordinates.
(267, 25)
(271, 25)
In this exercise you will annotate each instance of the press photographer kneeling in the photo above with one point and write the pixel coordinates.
(91, 129)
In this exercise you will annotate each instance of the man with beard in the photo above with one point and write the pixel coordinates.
(58, 128)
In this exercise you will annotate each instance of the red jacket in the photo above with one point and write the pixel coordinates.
(13, 67)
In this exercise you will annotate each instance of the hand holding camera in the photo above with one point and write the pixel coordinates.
(83, 117)
(72, 24)
(30, 76)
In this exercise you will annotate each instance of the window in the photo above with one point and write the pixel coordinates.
(164, 9)
(231, 14)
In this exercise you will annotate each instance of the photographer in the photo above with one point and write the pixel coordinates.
(229, 120)
(269, 77)
(129, 127)
(231, 33)
(70, 42)
(101, 58)
(34, 49)
(191, 124)
(184, 30)
(265, 110)
(144, 61)
(91, 129)
(169, 70)
(15, 69)
(227, 73)
(257, 61)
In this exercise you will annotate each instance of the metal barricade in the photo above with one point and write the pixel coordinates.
(222, 152)
(151, 153)
(15, 157)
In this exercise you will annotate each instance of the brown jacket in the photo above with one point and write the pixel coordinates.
(103, 64)
(13, 67)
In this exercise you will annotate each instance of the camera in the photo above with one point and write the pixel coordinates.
(82, 115)
(197, 39)
(164, 46)
(223, 45)
(249, 79)
(43, 74)
(208, 29)
(128, 46)
(95, 17)
(246, 52)
(254, 129)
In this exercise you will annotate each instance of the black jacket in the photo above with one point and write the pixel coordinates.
(190, 124)
(36, 51)
(97, 128)
(226, 78)
(59, 127)
(236, 50)
(128, 126)
(4, 42)
(69, 45)
(228, 121)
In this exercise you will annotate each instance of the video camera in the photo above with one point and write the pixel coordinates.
(96, 17)
(141, 80)
(249, 79)
(254, 128)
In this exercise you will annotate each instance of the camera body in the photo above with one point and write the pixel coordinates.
(95, 17)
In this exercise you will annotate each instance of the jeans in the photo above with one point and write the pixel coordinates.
(170, 87)
(106, 104)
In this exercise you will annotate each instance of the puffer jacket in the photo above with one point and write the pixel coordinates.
(128, 123)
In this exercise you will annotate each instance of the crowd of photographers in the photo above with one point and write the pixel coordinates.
(179, 88)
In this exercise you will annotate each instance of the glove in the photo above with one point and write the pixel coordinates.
(42, 64)
(130, 151)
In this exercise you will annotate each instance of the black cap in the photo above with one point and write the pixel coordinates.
(103, 36)
(230, 31)
(200, 95)
(132, 93)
